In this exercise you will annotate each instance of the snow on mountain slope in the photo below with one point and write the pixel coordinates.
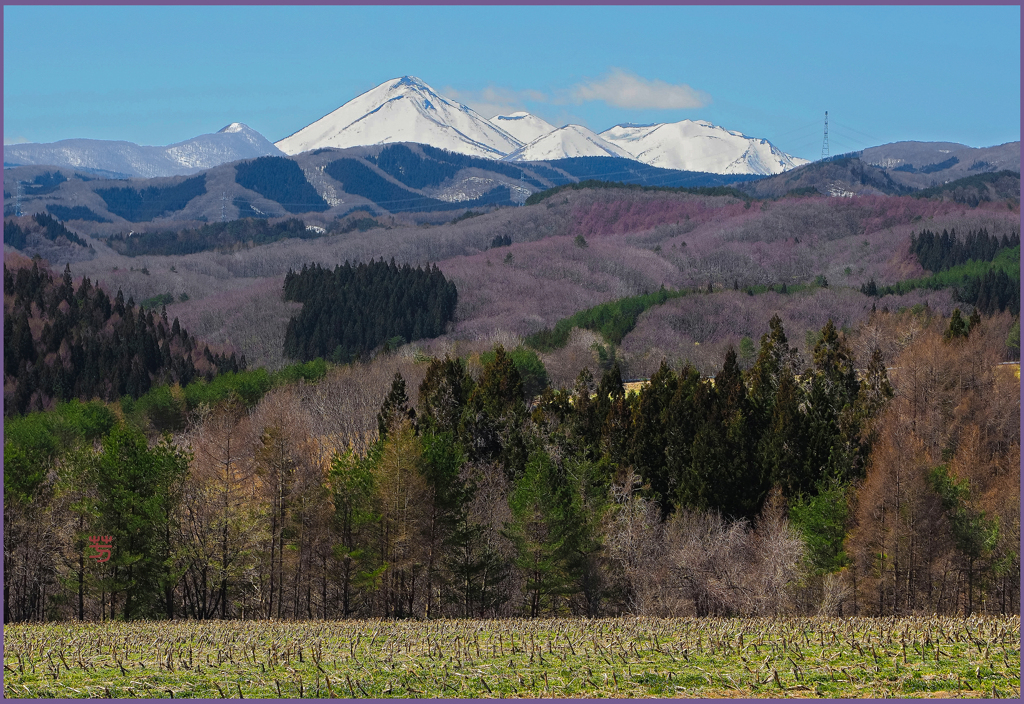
(568, 141)
(404, 110)
(523, 126)
(234, 142)
(700, 146)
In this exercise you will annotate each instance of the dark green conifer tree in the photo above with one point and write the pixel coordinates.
(686, 411)
(494, 415)
(136, 490)
(395, 408)
(444, 393)
(831, 406)
(958, 327)
(647, 440)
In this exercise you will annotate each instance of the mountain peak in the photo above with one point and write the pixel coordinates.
(233, 127)
(409, 82)
(404, 109)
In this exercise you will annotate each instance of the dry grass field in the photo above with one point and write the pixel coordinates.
(632, 657)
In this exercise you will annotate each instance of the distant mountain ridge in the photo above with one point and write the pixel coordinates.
(700, 146)
(324, 184)
(928, 164)
(407, 110)
(232, 143)
(850, 175)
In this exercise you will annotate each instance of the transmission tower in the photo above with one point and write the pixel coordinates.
(17, 202)
(223, 215)
(824, 144)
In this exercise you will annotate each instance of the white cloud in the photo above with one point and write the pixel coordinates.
(493, 100)
(627, 90)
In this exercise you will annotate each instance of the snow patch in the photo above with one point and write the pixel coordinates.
(523, 126)
(568, 141)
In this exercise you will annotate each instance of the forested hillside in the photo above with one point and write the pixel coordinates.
(983, 270)
(358, 179)
(135, 205)
(977, 189)
(224, 236)
(65, 342)
(438, 166)
(279, 179)
(17, 231)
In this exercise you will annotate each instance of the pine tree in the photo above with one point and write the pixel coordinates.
(351, 481)
(136, 492)
(395, 409)
(647, 438)
(548, 530)
(444, 393)
(833, 424)
(782, 446)
(957, 327)
(686, 411)
(494, 415)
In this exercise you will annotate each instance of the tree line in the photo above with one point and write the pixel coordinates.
(938, 252)
(223, 236)
(623, 185)
(63, 342)
(76, 212)
(466, 161)
(352, 310)
(628, 171)
(44, 183)
(991, 292)
(410, 168)
(757, 493)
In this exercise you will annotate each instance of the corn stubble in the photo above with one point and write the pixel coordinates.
(626, 657)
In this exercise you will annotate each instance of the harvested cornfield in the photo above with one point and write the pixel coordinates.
(634, 657)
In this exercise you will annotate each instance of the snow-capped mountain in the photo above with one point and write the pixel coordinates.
(404, 110)
(234, 142)
(700, 146)
(568, 141)
(523, 126)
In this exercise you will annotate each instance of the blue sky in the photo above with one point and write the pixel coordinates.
(158, 75)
